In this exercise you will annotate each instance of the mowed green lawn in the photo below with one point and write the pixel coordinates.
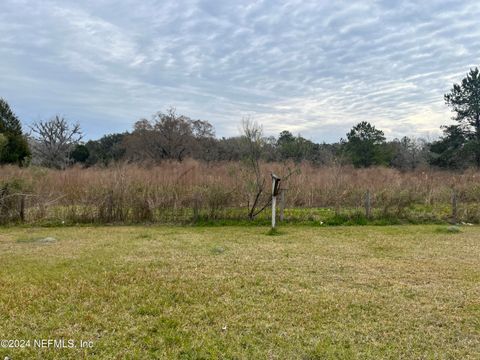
(235, 293)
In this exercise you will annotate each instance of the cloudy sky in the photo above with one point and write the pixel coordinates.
(312, 67)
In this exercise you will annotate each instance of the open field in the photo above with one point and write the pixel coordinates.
(193, 192)
(236, 293)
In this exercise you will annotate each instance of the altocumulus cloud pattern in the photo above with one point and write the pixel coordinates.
(312, 67)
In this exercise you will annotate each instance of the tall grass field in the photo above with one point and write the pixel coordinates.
(192, 192)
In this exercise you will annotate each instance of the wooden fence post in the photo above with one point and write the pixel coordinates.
(195, 209)
(368, 205)
(275, 190)
(454, 205)
(22, 208)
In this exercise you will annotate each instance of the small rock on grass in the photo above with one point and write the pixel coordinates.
(47, 240)
(453, 229)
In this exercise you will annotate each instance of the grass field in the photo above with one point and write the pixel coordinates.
(235, 293)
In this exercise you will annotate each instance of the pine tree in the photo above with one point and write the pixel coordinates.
(366, 145)
(15, 149)
(460, 145)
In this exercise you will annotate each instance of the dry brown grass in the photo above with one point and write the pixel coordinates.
(173, 190)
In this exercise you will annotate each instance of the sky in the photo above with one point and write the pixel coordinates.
(315, 68)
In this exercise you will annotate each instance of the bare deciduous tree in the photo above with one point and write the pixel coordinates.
(258, 188)
(167, 136)
(53, 141)
(253, 137)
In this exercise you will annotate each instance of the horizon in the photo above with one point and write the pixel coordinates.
(312, 69)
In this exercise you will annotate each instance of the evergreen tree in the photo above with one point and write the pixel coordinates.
(80, 154)
(460, 145)
(15, 149)
(365, 145)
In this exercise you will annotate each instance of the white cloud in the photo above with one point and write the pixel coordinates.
(312, 67)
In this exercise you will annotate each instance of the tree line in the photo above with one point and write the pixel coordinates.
(57, 143)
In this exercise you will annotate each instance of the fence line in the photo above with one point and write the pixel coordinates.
(218, 192)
